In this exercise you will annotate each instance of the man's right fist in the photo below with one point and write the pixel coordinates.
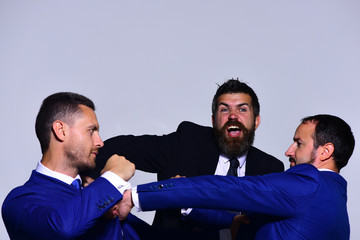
(120, 166)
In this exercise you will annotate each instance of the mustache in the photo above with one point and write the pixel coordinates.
(235, 123)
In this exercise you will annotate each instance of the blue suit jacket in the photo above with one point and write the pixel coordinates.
(301, 203)
(46, 208)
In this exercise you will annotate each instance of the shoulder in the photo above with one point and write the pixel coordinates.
(305, 173)
(30, 192)
(192, 126)
(260, 162)
(196, 130)
(255, 151)
(190, 133)
(261, 155)
(304, 170)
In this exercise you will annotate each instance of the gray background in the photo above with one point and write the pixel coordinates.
(148, 65)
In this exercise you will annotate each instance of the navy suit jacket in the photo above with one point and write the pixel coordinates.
(190, 151)
(301, 203)
(46, 208)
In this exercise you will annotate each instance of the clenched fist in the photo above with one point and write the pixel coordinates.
(120, 166)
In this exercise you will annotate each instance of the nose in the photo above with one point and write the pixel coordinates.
(232, 115)
(98, 141)
(290, 151)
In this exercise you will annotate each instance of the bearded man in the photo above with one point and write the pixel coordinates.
(194, 150)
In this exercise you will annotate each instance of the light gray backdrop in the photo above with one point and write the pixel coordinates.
(148, 65)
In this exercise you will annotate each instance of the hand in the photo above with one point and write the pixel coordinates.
(112, 213)
(86, 180)
(120, 166)
(238, 220)
(124, 207)
(178, 176)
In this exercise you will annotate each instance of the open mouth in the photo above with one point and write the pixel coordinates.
(234, 131)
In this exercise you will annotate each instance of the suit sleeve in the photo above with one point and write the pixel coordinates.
(211, 218)
(277, 194)
(149, 153)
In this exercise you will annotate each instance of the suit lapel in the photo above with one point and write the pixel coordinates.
(209, 157)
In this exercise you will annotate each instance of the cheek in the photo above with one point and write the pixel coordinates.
(247, 121)
(219, 122)
(301, 155)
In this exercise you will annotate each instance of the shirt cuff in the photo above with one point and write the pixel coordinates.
(135, 199)
(116, 181)
(186, 211)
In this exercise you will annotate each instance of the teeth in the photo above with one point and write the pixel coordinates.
(233, 128)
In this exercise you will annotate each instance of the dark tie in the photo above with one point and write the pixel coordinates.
(234, 164)
(76, 184)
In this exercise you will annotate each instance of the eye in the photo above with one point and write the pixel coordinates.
(223, 110)
(92, 130)
(243, 110)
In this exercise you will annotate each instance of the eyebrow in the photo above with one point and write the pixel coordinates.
(93, 127)
(239, 105)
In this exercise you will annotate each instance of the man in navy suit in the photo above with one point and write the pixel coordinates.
(195, 150)
(52, 204)
(308, 201)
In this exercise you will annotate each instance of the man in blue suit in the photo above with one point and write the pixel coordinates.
(52, 204)
(308, 201)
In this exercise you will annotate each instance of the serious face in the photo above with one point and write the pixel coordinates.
(302, 149)
(234, 123)
(84, 140)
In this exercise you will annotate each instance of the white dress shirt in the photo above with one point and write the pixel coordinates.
(113, 178)
(221, 169)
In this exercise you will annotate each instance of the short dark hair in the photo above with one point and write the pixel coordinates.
(236, 86)
(58, 106)
(332, 129)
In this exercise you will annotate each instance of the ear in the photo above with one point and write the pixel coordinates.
(257, 121)
(212, 120)
(326, 151)
(59, 130)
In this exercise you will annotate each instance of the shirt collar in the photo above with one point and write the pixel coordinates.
(40, 168)
(325, 169)
(241, 159)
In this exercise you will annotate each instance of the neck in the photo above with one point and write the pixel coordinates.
(327, 165)
(57, 163)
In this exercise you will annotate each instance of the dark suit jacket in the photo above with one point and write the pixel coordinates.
(301, 203)
(190, 151)
(46, 208)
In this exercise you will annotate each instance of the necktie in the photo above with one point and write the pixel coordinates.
(234, 164)
(76, 184)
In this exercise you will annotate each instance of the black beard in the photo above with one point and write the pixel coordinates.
(234, 147)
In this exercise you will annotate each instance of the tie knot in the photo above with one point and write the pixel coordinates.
(234, 164)
(76, 184)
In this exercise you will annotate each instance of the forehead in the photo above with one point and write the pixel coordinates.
(305, 131)
(235, 98)
(87, 115)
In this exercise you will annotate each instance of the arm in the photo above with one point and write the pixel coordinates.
(45, 208)
(211, 218)
(149, 153)
(166, 155)
(277, 194)
(44, 212)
